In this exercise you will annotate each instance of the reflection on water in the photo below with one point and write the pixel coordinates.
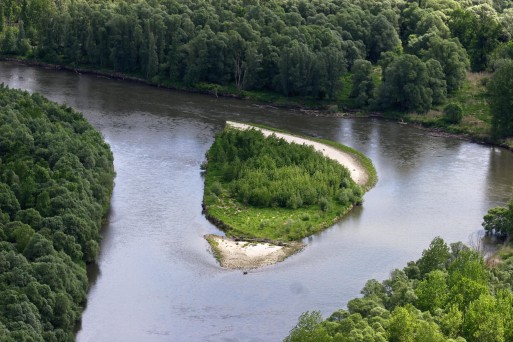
(156, 280)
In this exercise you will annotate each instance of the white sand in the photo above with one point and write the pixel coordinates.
(358, 173)
(246, 255)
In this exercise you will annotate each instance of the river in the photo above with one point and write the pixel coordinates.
(156, 279)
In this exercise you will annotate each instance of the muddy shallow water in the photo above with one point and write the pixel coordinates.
(156, 279)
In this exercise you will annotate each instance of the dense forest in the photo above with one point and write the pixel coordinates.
(56, 178)
(449, 294)
(267, 187)
(385, 54)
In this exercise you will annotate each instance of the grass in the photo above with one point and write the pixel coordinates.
(275, 224)
(215, 247)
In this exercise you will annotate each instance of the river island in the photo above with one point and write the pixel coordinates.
(268, 189)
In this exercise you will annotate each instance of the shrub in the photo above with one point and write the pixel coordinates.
(216, 188)
(453, 113)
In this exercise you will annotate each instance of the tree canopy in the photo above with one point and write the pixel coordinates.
(447, 295)
(56, 178)
(500, 89)
(296, 47)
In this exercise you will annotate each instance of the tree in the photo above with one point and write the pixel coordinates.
(309, 328)
(383, 38)
(483, 322)
(363, 87)
(406, 85)
(499, 220)
(452, 57)
(437, 82)
(432, 291)
(335, 65)
(480, 34)
(435, 257)
(500, 89)
(453, 113)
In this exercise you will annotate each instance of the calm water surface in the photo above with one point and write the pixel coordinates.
(156, 279)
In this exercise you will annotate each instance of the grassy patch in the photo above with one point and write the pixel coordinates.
(279, 224)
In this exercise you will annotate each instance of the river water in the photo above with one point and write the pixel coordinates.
(156, 279)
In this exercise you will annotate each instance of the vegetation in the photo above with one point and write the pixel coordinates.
(447, 295)
(281, 51)
(269, 188)
(56, 178)
(453, 113)
(501, 93)
(499, 221)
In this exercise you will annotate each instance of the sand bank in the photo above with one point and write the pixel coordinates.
(249, 255)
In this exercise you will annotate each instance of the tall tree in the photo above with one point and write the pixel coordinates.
(406, 85)
(500, 89)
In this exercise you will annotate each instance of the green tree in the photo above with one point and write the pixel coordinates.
(483, 322)
(437, 82)
(309, 328)
(363, 86)
(500, 89)
(435, 257)
(406, 85)
(453, 113)
(383, 38)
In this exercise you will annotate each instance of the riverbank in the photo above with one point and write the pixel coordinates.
(248, 253)
(307, 108)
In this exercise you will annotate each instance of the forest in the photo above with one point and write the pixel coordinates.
(449, 294)
(267, 187)
(56, 179)
(357, 53)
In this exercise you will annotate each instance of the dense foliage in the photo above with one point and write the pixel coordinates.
(294, 47)
(56, 177)
(447, 295)
(501, 92)
(304, 189)
(310, 49)
(499, 221)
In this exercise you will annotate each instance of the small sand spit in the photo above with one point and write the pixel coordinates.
(248, 255)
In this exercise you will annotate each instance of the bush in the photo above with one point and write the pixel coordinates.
(453, 113)
(216, 188)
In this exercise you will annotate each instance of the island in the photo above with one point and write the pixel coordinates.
(268, 189)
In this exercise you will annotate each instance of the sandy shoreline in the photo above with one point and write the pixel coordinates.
(244, 255)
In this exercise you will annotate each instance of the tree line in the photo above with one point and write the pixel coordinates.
(56, 178)
(406, 55)
(447, 295)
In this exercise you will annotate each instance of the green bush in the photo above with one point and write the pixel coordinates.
(453, 113)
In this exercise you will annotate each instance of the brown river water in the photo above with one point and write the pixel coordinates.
(156, 279)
